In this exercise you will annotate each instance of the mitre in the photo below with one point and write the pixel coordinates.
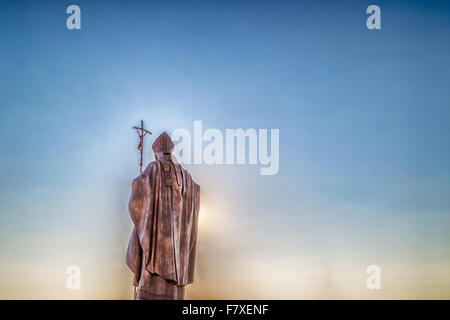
(163, 144)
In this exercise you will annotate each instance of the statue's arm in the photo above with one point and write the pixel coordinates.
(134, 257)
(137, 207)
(194, 230)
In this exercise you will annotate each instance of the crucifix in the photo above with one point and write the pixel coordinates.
(141, 133)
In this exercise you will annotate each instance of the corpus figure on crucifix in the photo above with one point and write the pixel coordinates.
(141, 133)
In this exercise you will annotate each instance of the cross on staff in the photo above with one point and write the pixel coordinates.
(141, 133)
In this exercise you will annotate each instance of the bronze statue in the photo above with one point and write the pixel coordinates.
(164, 207)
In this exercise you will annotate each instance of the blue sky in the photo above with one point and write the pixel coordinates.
(364, 140)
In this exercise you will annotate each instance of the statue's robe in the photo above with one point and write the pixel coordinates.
(164, 207)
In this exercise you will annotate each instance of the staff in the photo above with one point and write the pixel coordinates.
(141, 133)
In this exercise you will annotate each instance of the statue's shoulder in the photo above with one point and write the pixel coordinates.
(197, 187)
(189, 178)
(151, 169)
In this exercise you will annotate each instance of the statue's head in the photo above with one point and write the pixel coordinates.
(163, 144)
